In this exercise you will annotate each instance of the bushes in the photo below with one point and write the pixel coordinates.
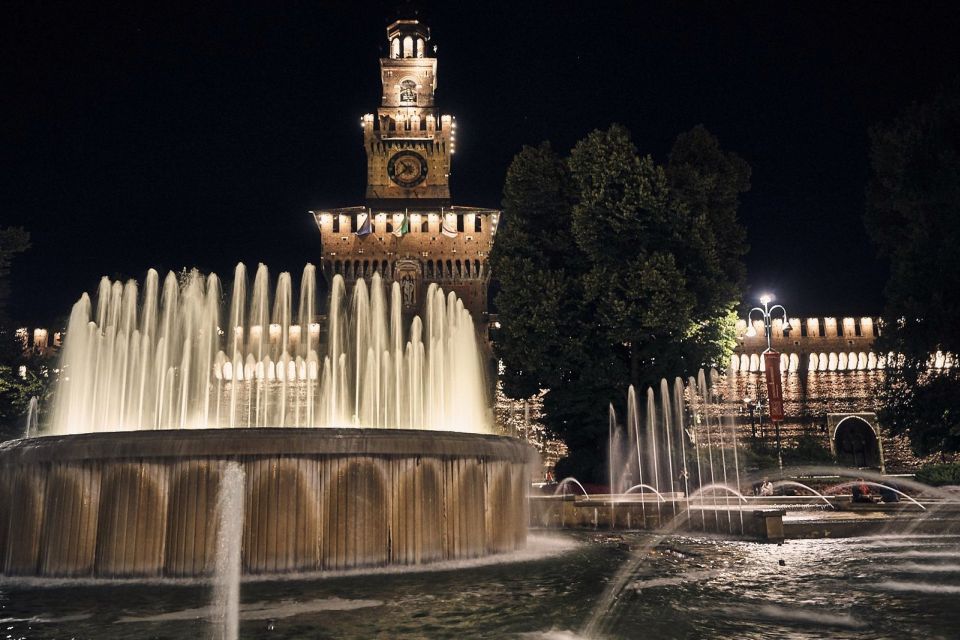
(940, 474)
(809, 449)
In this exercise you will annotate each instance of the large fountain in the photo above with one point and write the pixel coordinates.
(363, 442)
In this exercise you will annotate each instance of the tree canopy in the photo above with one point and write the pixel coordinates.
(13, 241)
(615, 270)
(23, 374)
(913, 216)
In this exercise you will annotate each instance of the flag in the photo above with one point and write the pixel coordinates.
(447, 229)
(366, 226)
(404, 227)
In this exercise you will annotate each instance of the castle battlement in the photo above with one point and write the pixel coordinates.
(817, 344)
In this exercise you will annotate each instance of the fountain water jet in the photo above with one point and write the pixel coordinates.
(226, 589)
(173, 365)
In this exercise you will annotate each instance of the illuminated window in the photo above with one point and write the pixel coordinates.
(395, 48)
(408, 47)
(408, 92)
(420, 45)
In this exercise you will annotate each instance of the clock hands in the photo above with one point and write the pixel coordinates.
(407, 169)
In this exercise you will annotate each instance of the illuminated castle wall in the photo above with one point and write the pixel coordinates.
(817, 344)
(832, 376)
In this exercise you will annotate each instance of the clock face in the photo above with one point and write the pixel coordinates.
(407, 168)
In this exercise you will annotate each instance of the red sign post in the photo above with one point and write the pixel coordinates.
(771, 366)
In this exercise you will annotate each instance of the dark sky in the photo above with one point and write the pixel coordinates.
(200, 134)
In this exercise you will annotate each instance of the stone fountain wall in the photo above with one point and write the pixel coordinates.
(141, 504)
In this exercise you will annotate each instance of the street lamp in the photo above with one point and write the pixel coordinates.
(748, 402)
(766, 312)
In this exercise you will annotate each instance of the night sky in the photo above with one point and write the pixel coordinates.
(179, 135)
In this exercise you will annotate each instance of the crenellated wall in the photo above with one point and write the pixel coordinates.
(456, 260)
(817, 344)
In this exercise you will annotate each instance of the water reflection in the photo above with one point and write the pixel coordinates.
(683, 588)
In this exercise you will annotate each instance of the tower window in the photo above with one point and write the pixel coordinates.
(408, 91)
(395, 48)
(408, 47)
(336, 223)
(477, 223)
(420, 47)
(460, 223)
(424, 226)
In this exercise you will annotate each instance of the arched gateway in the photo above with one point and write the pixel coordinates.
(855, 440)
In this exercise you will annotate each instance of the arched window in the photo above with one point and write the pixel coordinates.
(420, 47)
(408, 47)
(395, 48)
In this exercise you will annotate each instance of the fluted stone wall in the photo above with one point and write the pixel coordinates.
(143, 503)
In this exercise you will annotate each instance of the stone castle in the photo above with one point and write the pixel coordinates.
(408, 230)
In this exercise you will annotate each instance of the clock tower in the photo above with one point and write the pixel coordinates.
(408, 232)
(408, 142)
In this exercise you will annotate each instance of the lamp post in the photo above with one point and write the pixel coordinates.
(748, 402)
(766, 312)
(771, 364)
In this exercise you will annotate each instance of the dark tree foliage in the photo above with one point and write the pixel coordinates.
(13, 240)
(613, 271)
(913, 216)
(23, 374)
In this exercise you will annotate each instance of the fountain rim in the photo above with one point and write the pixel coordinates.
(263, 441)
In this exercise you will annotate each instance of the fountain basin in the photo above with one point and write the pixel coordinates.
(142, 503)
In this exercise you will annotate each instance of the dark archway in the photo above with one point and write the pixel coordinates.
(856, 443)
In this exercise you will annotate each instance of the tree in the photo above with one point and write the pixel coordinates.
(913, 217)
(23, 374)
(614, 270)
(13, 241)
